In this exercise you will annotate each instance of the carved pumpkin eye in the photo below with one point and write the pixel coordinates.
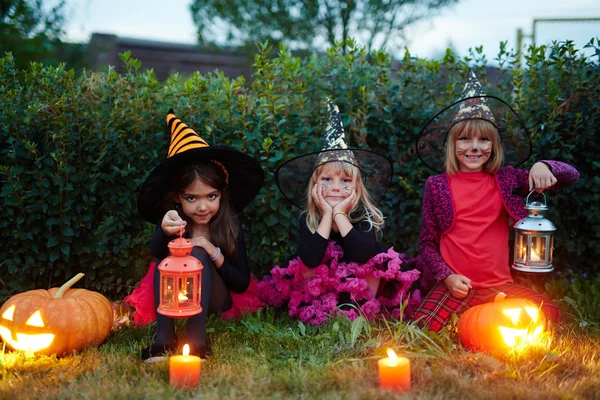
(533, 313)
(8, 314)
(35, 320)
(513, 314)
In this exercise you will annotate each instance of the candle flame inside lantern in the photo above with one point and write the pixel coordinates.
(392, 356)
(182, 296)
(534, 254)
(186, 350)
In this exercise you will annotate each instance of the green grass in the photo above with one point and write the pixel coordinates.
(267, 355)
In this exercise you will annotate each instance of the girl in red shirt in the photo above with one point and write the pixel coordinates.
(468, 209)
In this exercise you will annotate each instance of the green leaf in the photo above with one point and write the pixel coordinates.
(125, 56)
(65, 249)
(302, 328)
(356, 329)
(53, 256)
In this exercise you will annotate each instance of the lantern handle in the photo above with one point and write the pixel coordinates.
(527, 199)
(181, 234)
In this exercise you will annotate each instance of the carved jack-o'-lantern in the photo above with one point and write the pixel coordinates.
(501, 326)
(55, 321)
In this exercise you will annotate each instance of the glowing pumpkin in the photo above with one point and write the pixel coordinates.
(501, 326)
(55, 321)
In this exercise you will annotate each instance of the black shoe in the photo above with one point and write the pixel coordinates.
(156, 353)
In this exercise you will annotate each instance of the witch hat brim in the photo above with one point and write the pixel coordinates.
(245, 179)
(516, 143)
(245, 175)
(294, 175)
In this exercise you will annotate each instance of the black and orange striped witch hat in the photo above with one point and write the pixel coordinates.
(245, 175)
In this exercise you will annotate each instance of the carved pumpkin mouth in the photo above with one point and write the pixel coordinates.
(24, 341)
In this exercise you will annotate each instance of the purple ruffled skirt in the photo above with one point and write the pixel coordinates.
(378, 287)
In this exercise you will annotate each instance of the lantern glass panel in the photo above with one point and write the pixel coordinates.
(168, 290)
(538, 250)
(521, 248)
(186, 291)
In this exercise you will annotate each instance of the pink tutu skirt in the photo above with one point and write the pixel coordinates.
(142, 298)
(314, 294)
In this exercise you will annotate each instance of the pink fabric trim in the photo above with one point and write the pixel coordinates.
(313, 294)
(142, 298)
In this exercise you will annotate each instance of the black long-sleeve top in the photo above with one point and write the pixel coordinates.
(359, 245)
(235, 273)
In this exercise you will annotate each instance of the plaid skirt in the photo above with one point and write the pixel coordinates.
(439, 305)
(374, 288)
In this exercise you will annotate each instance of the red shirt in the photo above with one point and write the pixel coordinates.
(477, 244)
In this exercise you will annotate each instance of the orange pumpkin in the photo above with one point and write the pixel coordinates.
(56, 321)
(501, 326)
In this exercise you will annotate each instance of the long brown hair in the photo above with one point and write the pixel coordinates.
(469, 128)
(222, 227)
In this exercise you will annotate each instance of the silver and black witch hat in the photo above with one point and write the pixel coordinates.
(293, 176)
(474, 103)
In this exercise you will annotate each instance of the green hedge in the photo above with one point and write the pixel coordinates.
(76, 147)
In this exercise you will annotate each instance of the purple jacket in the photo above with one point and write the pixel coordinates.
(438, 208)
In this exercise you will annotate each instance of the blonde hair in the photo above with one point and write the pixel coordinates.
(364, 209)
(470, 128)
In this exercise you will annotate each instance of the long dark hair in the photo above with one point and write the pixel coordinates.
(222, 227)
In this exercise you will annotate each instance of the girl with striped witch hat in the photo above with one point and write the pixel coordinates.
(340, 266)
(199, 187)
(468, 209)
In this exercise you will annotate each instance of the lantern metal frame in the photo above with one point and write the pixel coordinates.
(534, 240)
(180, 281)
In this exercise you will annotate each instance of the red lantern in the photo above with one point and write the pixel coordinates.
(180, 281)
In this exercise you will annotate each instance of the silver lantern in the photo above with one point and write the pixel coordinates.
(534, 239)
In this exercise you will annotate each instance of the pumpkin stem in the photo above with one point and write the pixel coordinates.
(500, 296)
(68, 285)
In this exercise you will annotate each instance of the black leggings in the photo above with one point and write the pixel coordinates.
(215, 299)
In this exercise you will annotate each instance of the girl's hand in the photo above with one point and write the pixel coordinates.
(347, 204)
(540, 177)
(458, 285)
(319, 200)
(172, 222)
(203, 242)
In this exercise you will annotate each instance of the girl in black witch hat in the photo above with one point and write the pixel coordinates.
(468, 208)
(199, 187)
(339, 258)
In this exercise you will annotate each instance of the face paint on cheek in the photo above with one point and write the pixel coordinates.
(461, 148)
